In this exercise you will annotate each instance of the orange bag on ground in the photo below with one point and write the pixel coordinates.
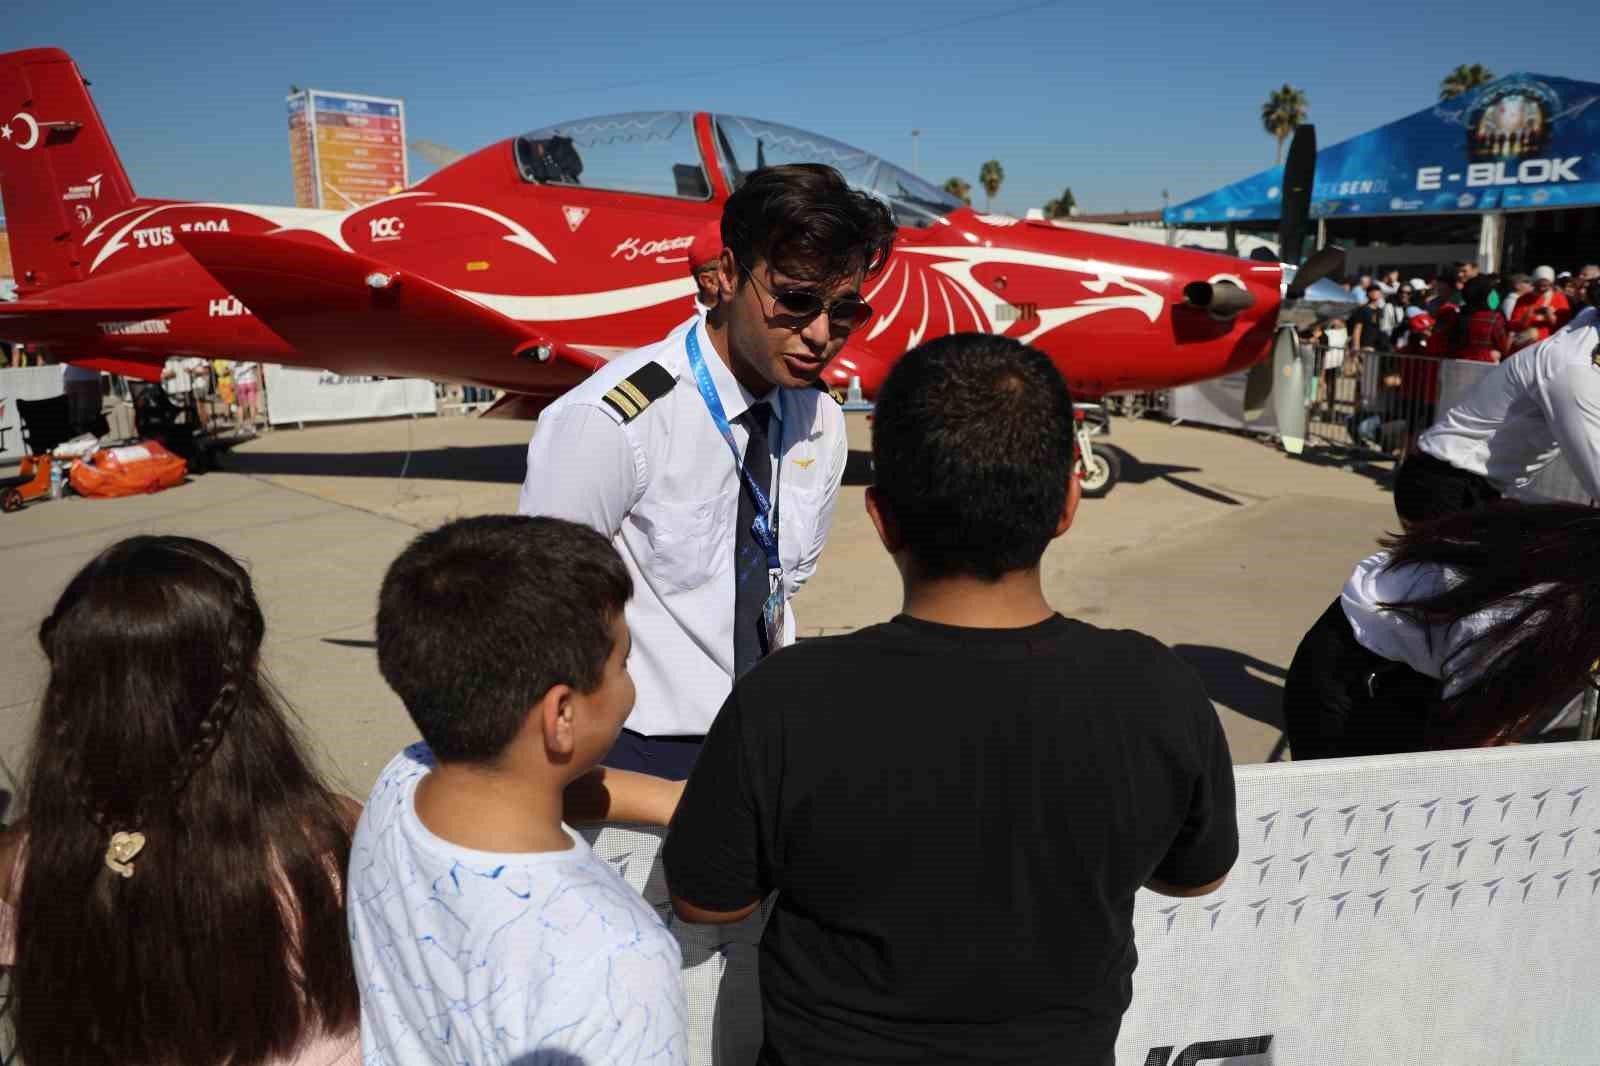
(127, 471)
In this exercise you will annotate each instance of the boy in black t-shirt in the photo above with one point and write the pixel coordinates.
(956, 807)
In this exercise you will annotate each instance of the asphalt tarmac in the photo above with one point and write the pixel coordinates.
(1215, 543)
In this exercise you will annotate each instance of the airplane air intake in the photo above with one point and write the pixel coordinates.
(1219, 299)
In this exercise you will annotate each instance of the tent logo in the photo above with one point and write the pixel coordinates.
(1512, 121)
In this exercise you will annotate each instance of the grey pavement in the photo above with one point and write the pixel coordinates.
(1214, 543)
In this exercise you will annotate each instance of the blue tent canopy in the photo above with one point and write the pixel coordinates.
(1524, 141)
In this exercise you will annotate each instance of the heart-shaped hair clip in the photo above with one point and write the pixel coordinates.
(121, 851)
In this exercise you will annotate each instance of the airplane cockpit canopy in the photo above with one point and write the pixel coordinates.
(746, 144)
(649, 152)
(655, 153)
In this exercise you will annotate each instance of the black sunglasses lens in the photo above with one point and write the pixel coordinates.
(850, 313)
(797, 302)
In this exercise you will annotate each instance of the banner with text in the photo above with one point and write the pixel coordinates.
(1525, 141)
(294, 395)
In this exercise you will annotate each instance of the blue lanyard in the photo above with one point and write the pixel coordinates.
(765, 535)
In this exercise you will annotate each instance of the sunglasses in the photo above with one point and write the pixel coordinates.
(847, 312)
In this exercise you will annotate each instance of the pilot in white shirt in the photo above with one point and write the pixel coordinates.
(663, 486)
(637, 453)
(1541, 402)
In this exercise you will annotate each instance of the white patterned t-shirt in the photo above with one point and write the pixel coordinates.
(469, 957)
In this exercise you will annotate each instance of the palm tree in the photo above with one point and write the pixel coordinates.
(990, 175)
(959, 189)
(1463, 79)
(1284, 110)
(1061, 207)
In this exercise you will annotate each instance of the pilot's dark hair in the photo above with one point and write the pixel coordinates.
(479, 618)
(803, 219)
(972, 448)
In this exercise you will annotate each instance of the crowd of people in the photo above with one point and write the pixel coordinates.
(933, 828)
(1362, 377)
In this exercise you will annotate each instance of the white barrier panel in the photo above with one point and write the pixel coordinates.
(23, 383)
(1437, 908)
(296, 395)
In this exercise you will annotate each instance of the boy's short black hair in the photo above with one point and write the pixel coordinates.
(972, 448)
(805, 220)
(479, 618)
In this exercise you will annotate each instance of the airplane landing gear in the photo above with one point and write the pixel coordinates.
(1100, 465)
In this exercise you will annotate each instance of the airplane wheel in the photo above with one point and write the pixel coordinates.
(1100, 474)
(10, 501)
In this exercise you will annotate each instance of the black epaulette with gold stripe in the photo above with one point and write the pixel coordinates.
(639, 390)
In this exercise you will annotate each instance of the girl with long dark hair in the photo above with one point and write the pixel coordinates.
(1469, 631)
(173, 890)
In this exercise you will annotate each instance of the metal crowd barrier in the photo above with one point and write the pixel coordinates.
(1380, 402)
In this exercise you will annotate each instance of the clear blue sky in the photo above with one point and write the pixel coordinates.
(1117, 100)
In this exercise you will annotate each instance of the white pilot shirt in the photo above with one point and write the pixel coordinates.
(664, 487)
(1540, 402)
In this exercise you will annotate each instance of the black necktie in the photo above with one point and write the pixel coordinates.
(751, 585)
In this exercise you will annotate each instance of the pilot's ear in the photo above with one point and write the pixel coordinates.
(727, 274)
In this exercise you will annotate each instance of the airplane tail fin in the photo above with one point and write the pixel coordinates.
(59, 174)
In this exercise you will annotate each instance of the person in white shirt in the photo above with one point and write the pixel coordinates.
(483, 928)
(713, 463)
(1473, 631)
(637, 451)
(1542, 402)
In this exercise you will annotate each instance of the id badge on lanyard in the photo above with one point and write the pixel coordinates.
(773, 611)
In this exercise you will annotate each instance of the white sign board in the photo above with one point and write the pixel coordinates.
(22, 383)
(294, 395)
(1407, 909)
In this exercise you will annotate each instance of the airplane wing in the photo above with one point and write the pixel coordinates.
(354, 314)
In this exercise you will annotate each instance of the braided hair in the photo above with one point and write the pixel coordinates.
(227, 942)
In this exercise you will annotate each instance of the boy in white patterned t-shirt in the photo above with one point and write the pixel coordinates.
(484, 929)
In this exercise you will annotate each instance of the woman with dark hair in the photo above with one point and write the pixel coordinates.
(1470, 631)
(173, 891)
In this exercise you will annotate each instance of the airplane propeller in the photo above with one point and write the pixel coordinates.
(1283, 369)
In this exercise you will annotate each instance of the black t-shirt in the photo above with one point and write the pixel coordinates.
(1373, 333)
(955, 821)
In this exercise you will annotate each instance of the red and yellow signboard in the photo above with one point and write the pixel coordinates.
(346, 149)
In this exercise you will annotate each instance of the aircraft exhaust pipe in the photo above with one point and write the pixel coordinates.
(1219, 299)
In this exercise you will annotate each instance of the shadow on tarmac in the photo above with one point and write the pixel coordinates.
(1379, 468)
(1240, 682)
(1135, 472)
(502, 464)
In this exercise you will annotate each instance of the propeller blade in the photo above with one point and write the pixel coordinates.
(440, 155)
(1289, 390)
(1257, 390)
(1325, 263)
(1299, 171)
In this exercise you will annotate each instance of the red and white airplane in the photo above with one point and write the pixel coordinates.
(525, 265)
